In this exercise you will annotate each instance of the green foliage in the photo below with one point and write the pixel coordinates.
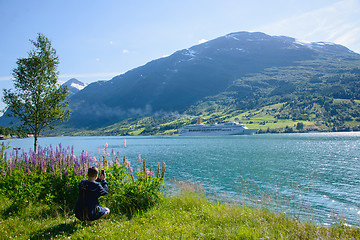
(52, 177)
(38, 102)
(45, 176)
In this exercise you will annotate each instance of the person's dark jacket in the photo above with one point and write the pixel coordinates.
(87, 206)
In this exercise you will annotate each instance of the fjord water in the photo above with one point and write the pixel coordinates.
(313, 176)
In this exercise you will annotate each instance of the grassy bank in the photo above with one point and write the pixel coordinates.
(185, 216)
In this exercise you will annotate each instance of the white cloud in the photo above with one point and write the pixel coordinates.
(338, 23)
(97, 59)
(202, 40)
(125, 51)
(111, 42)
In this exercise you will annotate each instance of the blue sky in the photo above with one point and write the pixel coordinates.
(97, 40)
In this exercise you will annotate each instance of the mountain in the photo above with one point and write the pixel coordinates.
(74, 86)
(247, 66)
(275, 83)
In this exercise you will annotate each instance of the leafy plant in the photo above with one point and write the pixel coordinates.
(129, 194)
(52, 176)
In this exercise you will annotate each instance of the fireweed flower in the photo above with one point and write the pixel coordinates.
(68, 187)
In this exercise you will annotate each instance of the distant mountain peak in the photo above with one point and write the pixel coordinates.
(74, 85)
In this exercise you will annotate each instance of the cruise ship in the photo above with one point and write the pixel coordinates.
(229, 128)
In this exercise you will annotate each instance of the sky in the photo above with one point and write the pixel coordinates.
(98, 40)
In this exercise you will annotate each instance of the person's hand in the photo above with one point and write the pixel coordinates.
(102, 177)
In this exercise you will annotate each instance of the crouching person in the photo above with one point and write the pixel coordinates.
(87, 206)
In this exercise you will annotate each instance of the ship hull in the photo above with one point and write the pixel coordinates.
(215, 130)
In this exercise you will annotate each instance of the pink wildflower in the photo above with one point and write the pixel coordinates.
(124, 142)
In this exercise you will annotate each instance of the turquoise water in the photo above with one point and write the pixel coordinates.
(315, 177)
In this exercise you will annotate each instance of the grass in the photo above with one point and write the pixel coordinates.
(186, 215)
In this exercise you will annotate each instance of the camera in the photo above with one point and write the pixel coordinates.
(102, 173)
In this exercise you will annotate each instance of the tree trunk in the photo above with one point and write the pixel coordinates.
(35, 142)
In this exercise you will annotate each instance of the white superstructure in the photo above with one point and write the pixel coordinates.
(229, 128)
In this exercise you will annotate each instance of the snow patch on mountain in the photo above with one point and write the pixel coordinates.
(314, 44)
(78, 86)
(303, 42)
(231, 36)
(190, 52)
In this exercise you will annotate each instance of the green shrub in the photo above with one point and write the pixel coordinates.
(52, 177)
